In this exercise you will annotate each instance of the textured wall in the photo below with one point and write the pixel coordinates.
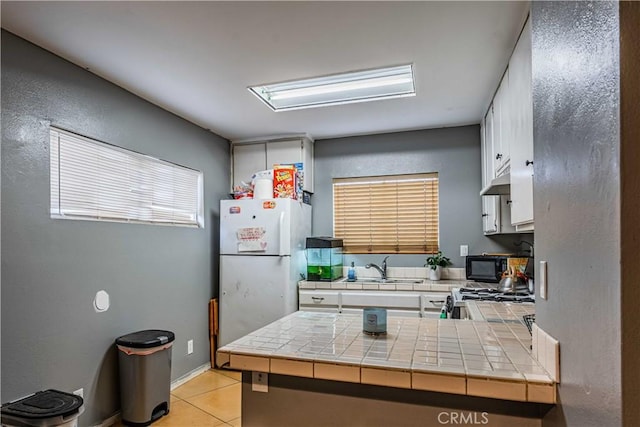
(157, 276)
(577, 202)
(452, 152)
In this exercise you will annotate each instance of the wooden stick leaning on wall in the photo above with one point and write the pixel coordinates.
(213, 329)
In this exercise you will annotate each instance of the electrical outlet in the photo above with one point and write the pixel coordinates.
(79, 392)
(260, 382)
(464, 250)
(189, 346)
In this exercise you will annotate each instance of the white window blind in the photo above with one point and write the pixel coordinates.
(387, 214)
(92, 180)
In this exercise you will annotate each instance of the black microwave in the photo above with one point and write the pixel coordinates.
(486, 268)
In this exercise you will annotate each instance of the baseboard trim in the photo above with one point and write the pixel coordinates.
(174, 384)
(115, 418)
(190, 375)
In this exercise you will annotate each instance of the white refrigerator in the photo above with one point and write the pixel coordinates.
(262, 257)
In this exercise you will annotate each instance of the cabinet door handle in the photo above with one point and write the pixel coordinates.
(528, 162)
(509, 202)
(436, 302)
(498, 156)
(317, 299)
(485, 214)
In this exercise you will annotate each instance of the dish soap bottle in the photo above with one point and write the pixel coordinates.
(351, 274)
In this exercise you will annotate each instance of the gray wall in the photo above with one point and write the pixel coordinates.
(452, 152)
(157, 276)
(577, 185)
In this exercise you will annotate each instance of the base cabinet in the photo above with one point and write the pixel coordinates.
(403, 303)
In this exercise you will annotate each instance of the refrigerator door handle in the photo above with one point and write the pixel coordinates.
(281, 251)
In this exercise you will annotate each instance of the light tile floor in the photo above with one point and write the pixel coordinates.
(209, 400)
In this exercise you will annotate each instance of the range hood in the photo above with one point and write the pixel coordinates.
(498, 186)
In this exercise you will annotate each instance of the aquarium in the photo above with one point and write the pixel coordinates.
(324, 259)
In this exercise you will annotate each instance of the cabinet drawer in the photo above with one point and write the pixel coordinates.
(434, 301)
(320, 309)
(318, 298)
(394, 312)
(390, 299)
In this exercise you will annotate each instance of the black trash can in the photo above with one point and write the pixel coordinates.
(46, 408)
(145, 375)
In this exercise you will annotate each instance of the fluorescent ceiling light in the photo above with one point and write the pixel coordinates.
(358, 86)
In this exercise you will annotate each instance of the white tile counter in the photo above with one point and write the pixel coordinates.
(475, 358)
(499, 311)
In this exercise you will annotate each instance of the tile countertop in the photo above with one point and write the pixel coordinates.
(475, 358)
(499, 311)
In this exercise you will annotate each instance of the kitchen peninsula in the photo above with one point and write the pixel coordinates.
(421, 368)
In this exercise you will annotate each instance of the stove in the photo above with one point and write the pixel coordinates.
(456, 301)
(486, 294)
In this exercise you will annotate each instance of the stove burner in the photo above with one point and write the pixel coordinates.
(479, 290)
(486, 294)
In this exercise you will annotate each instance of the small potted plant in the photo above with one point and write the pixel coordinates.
(435, 263)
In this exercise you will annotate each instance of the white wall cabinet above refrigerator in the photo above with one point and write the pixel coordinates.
(250, 156)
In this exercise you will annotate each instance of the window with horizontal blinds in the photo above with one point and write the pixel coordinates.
(92, 180)
(387, 214)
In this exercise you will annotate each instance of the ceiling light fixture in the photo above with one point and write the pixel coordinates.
(336, 89)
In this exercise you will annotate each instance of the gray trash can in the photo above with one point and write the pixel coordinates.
(46, 408)
(145, 375)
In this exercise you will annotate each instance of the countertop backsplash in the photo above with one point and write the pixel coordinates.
(450, 273)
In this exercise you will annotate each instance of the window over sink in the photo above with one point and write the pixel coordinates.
(387, 214)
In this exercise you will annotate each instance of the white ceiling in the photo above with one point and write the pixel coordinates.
(196, 59)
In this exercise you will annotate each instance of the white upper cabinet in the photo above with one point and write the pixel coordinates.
(489, 203)
(522, 130)
(249, 157)
(496, 214)
(507, 145)
(502, 126)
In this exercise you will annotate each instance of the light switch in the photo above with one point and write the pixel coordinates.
(543, 279)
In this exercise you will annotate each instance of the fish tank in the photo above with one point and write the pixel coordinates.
(324, 259)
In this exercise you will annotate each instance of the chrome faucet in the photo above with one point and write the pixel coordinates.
(382, 270)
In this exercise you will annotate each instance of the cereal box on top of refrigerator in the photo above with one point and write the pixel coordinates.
(284, 182)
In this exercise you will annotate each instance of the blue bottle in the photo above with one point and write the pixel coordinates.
(351, 274)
